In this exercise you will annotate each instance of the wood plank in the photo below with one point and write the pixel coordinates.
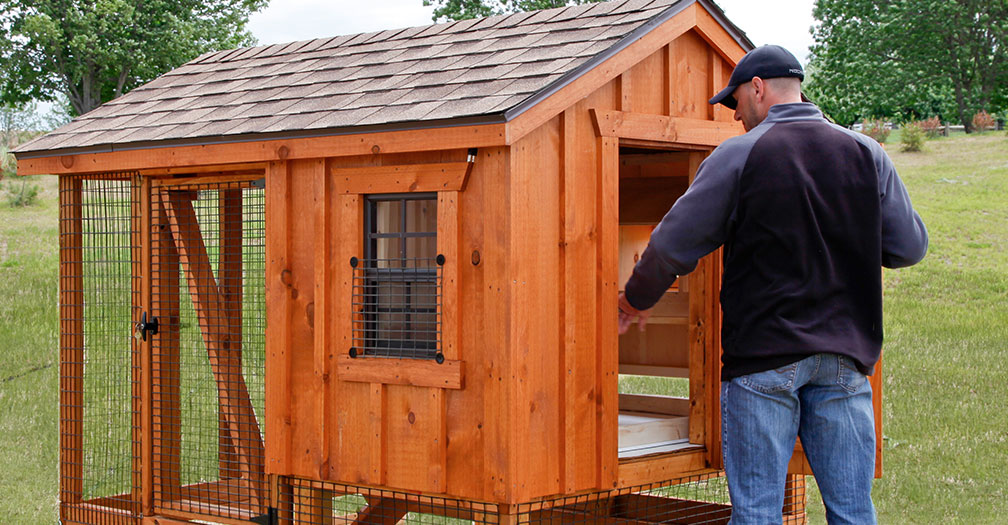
(357, 408)
(71, 305)
(535, 296)
(190, 174)
(712, 364)
(391, 371)
(445, 176)
(653, 370)
(579, 302)
(230, 288)
(876, 386)
(466, 448)
(640, 471)
(698, 332)
(690, 65)
(598, 76)
(646, 78)
(186, 157)
(218, 177)
(233, 395)
(647, 508)
(319, 315)
(143, 404)
(671, 130)
(278, 314)
(382, 511)
(414, 417)
(607, 372)
(656, 404)
(306, 393)
(448, 245)
(166, 372)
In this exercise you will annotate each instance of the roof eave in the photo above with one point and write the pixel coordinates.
(475, 120)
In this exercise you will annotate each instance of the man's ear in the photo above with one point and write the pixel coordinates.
(759, 88)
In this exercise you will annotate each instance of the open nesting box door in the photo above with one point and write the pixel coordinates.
(663, 365)
(207, 291)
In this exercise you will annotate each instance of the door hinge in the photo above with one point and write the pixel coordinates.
(145, 326)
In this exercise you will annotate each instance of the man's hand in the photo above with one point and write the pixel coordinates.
(627, 314)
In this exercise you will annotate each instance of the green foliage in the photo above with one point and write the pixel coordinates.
(21, 195)
(876, 129)
(445, 10)
(91, 51)
(911, 137)
(910, 59)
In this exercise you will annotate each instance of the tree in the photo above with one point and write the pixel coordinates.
(466, 9)
(910, 59)
(92, 51)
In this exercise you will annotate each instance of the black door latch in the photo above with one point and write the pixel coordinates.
(145, 326)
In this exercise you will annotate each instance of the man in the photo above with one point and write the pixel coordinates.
(807, 212)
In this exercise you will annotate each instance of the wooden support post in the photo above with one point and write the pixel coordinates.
(232, 391)
(607, 339)
(230, 287)
(165, 303)
(71, 343)
(140, 243)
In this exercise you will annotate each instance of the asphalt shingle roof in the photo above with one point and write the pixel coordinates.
(455, 70)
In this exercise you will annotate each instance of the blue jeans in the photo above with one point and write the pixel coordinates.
(825, 400)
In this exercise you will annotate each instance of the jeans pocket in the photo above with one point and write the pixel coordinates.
(848, 376)
(776, 380)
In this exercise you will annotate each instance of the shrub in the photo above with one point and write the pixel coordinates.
(931, 127)
(982, 121)
(25, 195)
(875, 129)
(911, 137)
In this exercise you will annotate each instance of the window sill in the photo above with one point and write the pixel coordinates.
(392, 371)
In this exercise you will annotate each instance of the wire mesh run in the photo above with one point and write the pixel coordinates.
(397, 305)
(208, 292)
(316, 502)
(698, 499)
(99, 359)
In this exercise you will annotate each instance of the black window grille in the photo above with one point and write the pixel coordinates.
(397, 285)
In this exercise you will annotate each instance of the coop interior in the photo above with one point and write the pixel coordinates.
(654, 365)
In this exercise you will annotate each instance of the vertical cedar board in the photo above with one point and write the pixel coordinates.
(467, 427)
(319, 312)
(230, 285)
(71, 340)
(690, 64)
(534, 250)
(495, 219)
(356, 432)
(607, 399)
(278, 314)
(645, 79)
(414, 442)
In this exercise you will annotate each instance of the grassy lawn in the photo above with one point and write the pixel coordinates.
(946, 429)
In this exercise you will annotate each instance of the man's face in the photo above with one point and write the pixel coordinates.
(746, 107)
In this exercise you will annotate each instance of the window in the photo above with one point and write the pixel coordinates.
(397, 286)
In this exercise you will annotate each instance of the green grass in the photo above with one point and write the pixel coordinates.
(946, 381)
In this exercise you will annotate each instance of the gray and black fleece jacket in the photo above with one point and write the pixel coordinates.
(808, 213)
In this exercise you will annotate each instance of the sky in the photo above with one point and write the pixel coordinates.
(782, 22)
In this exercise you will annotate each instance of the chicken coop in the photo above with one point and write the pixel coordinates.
(373, 278)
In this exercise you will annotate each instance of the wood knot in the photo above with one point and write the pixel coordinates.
(283, 152)
(310, 314)
(411, 417)
(376, 149)
(285, 277)
(67, 161)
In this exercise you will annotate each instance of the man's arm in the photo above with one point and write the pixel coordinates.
(904, 237)
(696, 225)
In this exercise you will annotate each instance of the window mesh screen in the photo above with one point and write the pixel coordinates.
(99, 361)
(208, 291)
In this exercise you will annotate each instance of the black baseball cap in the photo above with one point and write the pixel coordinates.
(764, 62)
